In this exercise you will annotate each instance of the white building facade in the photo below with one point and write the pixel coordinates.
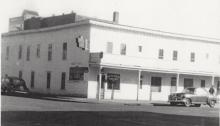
(114, 62)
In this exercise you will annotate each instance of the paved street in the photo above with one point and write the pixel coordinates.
(21, 111)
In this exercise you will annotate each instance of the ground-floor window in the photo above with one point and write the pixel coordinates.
(173, 84)
(202, 83)
(218, 87)
(113, 81)
(20, 74)
(63, 80)
(156, 84)
(48, 79)
(188, 82)
(76, 73)
(32, 79)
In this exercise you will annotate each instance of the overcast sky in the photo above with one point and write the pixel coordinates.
(194, 17)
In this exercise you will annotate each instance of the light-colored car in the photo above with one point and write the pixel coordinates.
(192, 96)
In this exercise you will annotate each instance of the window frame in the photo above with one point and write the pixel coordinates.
(175, 55)
(64, 56)
(109, 47)
(28, 53)
(38, 51)
(192, 57)
(75, 75)
(123, 49)
(161, 54)
(20, 52)
(50, 48)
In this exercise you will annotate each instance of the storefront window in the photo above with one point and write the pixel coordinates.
(113, 81)
(76, 73)
(156, 84)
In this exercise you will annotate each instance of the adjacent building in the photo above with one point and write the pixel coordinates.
(76, 55)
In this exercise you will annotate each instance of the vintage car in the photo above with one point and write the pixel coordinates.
(12, 85)
(192, 96)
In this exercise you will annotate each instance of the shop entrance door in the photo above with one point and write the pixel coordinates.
(188, 83)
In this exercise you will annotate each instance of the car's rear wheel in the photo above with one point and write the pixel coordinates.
(187, 102)
(197, 105)
(212, 103)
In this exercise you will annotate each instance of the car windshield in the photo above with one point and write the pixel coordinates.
(189, 90)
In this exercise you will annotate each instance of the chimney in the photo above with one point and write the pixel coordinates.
(115, 17)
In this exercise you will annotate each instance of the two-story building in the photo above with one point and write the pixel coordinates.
(94, 58)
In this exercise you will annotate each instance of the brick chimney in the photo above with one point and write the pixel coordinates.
(115, 17)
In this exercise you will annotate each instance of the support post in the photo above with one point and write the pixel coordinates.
(100, 82)
(213, 80)
(138, 84)
(177, 81)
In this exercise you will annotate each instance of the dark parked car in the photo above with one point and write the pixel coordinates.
(13, 84)
(192, 96)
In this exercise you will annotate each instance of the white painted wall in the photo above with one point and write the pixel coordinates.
(151, 44)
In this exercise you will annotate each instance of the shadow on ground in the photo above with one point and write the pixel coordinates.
(46, 97)
(78, 118)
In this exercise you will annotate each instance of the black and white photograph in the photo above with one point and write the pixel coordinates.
(110, 62)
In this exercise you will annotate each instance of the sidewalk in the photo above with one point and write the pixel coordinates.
(109, 101)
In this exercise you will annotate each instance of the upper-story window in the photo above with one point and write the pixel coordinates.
(139, 48)
(123, 49)
(28, 53)
(175, 55)
(49, 52)
(192, 57)
(38, 51)
(161, 54)
(20, 52)
(64, 51)
(207, 56)
(109, 47)
(7, 53)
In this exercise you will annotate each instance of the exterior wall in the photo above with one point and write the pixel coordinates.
(151, 44)
(75, 57)
(129, 84)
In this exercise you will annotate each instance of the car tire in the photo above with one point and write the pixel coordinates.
(211, 103)
(197, 105)
(187, 102)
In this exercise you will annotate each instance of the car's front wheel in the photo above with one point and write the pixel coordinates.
(212, 103)
(187, 102)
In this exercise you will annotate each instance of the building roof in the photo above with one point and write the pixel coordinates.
(111, 24)
(30, 12)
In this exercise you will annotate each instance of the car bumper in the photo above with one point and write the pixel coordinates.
(177, 100)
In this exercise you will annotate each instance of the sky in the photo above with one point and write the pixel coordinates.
(192, 17)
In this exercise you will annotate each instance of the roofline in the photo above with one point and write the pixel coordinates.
(110, 24)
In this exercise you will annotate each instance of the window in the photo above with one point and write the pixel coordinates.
(20, 52)
(156, 84)
(64, 51)
(113, 81)
(20, 74)
(63, 80)
(160, 54)
(139, 48)
(218, 87)
(202, 83)
(207, 56)
(173, 84)
(192, 57)
(28, 53)
(49, 52)
(175, 54)
(48, 79)
(7, 53)
(76, 74)
(123, 49)
(38, 51)
(141, 81)
(32, 79)
(188, 83)
(109, 48)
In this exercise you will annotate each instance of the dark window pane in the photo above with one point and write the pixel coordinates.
(113, 81)
(64, 51)
(156, 84)
(49, 52)
(160, 54)
(48, 79)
